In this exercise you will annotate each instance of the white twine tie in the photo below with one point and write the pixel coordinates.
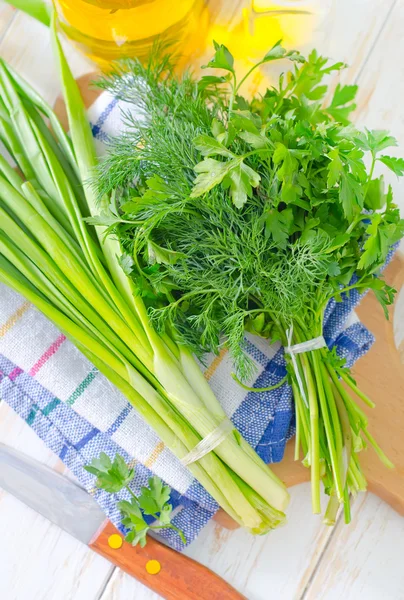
(314, 344)
(209, 443)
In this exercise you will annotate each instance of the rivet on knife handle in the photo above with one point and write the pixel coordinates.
(178, 578)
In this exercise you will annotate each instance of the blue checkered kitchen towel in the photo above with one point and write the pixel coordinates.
(78, 413)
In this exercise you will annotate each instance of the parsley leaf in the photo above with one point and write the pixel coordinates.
(350, 195)
(113, 477)
(134, 521)
(211, 172)
(344, 94)
(394, 164)
(222, 59)
(209, 146)
(153, 499)
(278, 225)
(383, 292)
(241, 179)
(375, 141)
(158, 254)
(371, 247)
(335, 168)
(375, 198)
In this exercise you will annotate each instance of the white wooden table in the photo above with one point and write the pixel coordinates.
(304, 559)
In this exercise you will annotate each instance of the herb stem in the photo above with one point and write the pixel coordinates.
(327, 425)
(357, 391)
(246, 76)
(232, 96)
(262, 389)
(131, 493)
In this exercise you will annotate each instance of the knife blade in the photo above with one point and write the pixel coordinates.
(70, 507)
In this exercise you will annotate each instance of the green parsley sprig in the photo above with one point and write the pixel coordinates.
(115, 476)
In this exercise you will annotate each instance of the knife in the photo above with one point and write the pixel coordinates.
(172, 575)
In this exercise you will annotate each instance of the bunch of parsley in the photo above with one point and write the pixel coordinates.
(252, 215)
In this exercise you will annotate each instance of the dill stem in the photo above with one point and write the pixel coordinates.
(298, 430)
(357, 391)
(382, 456)
(342, 408)
(262, 389)
(327, 425)
(331, 510)
(304, 363)
(315, 434)
(347, 506)
(334, 417)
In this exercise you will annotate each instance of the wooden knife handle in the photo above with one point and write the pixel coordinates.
(180, 577)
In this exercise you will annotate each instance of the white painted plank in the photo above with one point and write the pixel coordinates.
(364, 560)
(38, 560)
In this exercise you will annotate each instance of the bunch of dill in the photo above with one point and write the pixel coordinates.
(238, 214)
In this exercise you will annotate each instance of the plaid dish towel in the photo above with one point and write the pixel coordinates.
(78, 413)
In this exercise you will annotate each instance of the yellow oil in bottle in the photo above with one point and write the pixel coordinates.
(107, 30)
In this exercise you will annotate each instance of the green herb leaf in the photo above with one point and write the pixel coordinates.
(134, 521)
(111, 476)
(211, 172)
(383, 292)
(211, 80)
(350, 195)
(277, 51)
(335, 168)
(376, 140)
(375, 197)
(158, 254)
(394, 164)
(278, 225)
(127, 263)
(372, 247)
(255, 140)
(241, 179)
(334, 269)
(222, 59)
(153, 499)
(209, 146)
(344, 94)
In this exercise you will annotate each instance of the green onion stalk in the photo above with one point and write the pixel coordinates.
(69, 270)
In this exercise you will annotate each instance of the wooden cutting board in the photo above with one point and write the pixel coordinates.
(380, 374)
